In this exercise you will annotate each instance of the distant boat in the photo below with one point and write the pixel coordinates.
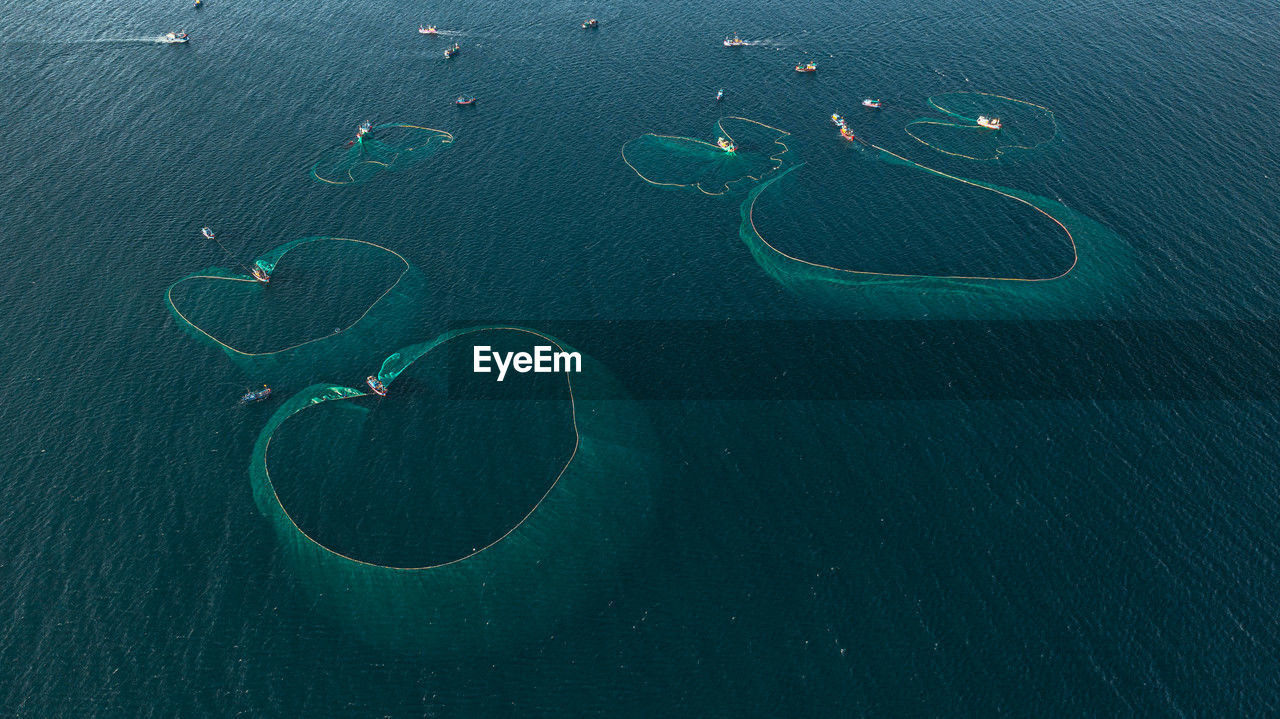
(726, 144)
(811, 67)
(991, 123)
(199, 3)
(837, 120)
(208, 233)
(874, 104)
(173, 38)
(734, 41)
(591, 23)
(720, 95)
(464, 100)
(428, 30)
(257, 395)
(451, 51)
(378, 388)
(847, 134)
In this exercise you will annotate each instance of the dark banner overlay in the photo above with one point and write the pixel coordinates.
(879, 360)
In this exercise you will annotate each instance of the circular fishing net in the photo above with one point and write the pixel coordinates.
(1023, 125)
(427, 522)
(385, 148)
(1007, 252)
(705, 166)
(324, 294)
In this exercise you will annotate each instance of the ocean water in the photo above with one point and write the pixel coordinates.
(890, 558)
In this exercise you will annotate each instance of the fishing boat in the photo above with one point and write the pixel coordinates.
(874, 104)
(451, 51)
(260, 274)
(378, 388)
(837, 120)
(591, 23)
(810, 67)
(847, 134)
(363, 129)
(726, 144)
(991, 123)
(720, 95)
(464, 100)
(256, 395)
(428, 30)
(208, 233)
(199, 3)
(734, 41)
(173, 38)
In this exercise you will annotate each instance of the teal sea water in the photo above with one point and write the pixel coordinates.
(910, 558)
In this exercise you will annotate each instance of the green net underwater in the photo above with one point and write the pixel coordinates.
(984, 126)
(1057, 262)
(391, 147)
(739, 153)
(427, 523)
(328, 303)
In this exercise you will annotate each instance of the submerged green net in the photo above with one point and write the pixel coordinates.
(1092, 256)
(326, 296)
(385, 148)
(1023, 125)
(519, 565)
(703, 165)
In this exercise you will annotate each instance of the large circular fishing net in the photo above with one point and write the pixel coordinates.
(1006, 251)
(1023, 125)
(384, 148)
(323, 294)
(431, 521)
(706, 166)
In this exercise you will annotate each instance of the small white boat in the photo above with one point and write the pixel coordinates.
(991, 123)
(173, 38)
(726, 144)
(720, 95)
(874, 104)
(837, 120)
(208, 233)
(428, 30)
(734, 41)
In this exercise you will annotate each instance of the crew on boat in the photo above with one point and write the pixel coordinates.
(837, 120)
(375, 385)
(992, 123)
(726, 144)
(428, 30)
(260, 274)
(810, 67)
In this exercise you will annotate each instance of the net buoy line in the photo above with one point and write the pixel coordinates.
(392, 367)
(560, 548)
(268, 264)
(748, 215)
(366, 152)
(725, 186)
(971, 123)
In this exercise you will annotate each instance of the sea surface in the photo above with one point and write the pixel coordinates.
(1099, 557)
